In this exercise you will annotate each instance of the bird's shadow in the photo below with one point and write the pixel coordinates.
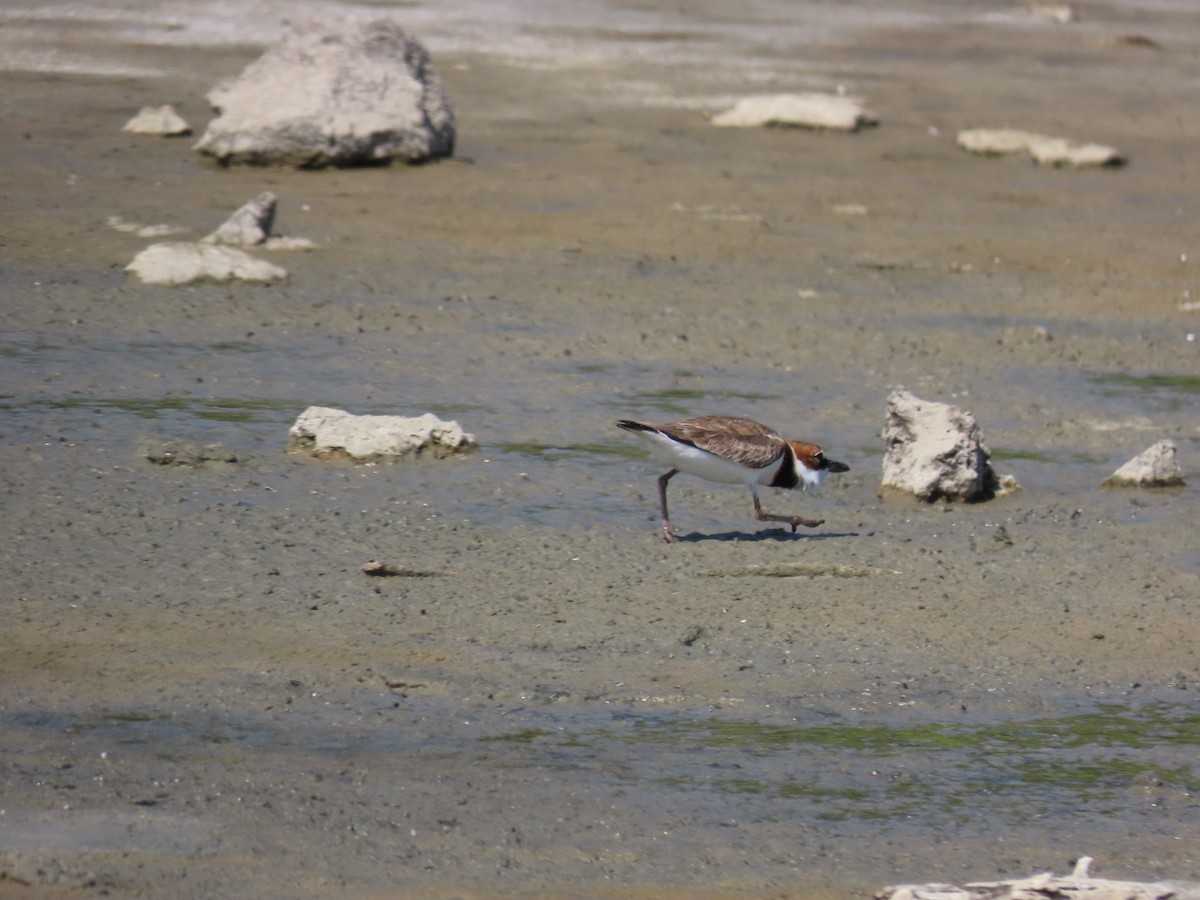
(767, 534)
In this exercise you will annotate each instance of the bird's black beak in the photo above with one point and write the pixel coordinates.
(834, 466)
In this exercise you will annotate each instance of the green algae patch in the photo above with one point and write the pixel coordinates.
(1180, 384)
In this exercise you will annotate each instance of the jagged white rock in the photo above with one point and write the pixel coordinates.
(249, 225)
(1156, 466)
(325, 432)
(810, 110)
(935, 452)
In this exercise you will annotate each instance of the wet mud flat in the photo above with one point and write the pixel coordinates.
(202, 693)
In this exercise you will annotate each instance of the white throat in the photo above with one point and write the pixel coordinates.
(810, 477)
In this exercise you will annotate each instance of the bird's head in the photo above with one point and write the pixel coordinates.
(813, 465)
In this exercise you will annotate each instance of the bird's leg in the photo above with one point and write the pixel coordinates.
(662, 501)
(790, 520)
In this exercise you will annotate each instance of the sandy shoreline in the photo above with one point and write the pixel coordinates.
(202, 694)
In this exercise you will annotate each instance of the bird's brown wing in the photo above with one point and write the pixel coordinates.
(735, 438)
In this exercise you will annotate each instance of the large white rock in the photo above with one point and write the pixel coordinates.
(811, 110)
(1045, 150)
(176, 262)
(351, 91)
(1156, 466)
(321, 431)
(934, 451)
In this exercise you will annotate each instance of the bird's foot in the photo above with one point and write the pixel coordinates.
(669, 535)
(807, 523)
(794, 521)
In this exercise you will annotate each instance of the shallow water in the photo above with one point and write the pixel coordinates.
(246, 392)
(896, 776)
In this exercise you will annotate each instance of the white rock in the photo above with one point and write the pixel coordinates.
(1051, 151)
(1059, 13)
(1046, 151)
(1156, 466)
(321, 431)
(812, 110)
(995, 141)
(175, 263)
(159, 231)
(120, 223)
(145, 231)
(934, 451)
(352, 91)
(249, 225)
(162, 120)
(280, 242)
(1046, 886)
